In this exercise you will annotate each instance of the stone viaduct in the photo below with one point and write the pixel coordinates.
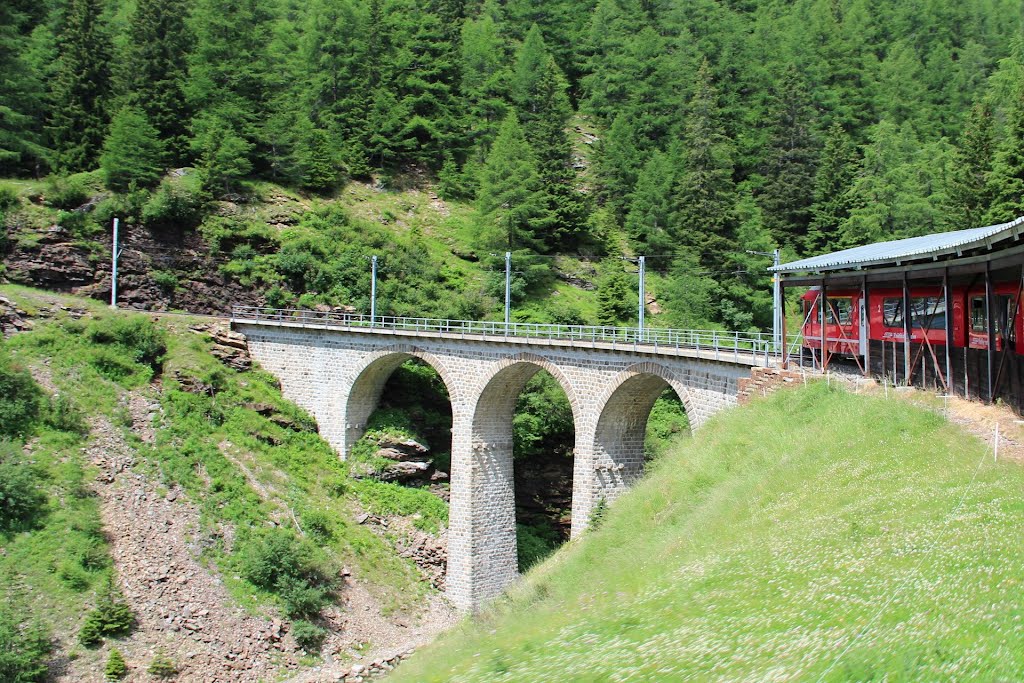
(338, 374)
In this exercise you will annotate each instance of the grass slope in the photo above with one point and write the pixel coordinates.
(816, 535)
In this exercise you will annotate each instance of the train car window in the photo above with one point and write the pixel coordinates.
(929, 311)
(978, 321)
(841, 308)
(892, 312)
(1005, 305)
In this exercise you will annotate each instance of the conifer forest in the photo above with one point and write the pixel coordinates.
(692, 131)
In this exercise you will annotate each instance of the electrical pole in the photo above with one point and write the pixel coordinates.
(777, 304)
(642, 304)
(508, 285)
(115, 253)
(373, 290)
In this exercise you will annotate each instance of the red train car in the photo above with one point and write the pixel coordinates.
(851, 323)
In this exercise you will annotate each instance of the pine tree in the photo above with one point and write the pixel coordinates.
(485, 78)
(650, 207)
(539, 91)
(969, 192)
(77, 123)
(154, 69)
(837, 168)
(616, 300)
(705, 195)
(132, 153)
(317, 160)
(789, 173)
(223, 155)
(1006, 181)
(619, 161)
(21, 95)
(511, 200)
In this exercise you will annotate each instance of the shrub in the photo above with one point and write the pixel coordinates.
(317, 524)
(532, 545)
(23, 646)
(21, 401)
(173, 206)
(20, 494)
(64, 415)
(309, 636)
(66, 193)
(8, 197)
(111, 364)
(116, 668)
(162, 666)
(137, 335)
(280, 563)
(112, 617)
(300, 598)
(166, 280)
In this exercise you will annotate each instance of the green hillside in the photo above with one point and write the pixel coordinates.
(816, 535)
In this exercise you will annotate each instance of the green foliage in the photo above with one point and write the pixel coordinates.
(172, 206)
(65, 192)
(223, 155)
(64, 414)
(116, 668)
(8, 198)
(533, 544)
(162, 666)
(21, 400)
(136, 336)
(25, 644)
(132, 152)
(21, 495)
(542, 425)
(111, 618)
(278, 562)
(385, 498)
(308, 635)
(598, 514)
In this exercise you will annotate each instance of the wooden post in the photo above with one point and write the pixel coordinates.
(990, 321)
(947, 296)
(907, 327)
(824, 315)
(865, 332)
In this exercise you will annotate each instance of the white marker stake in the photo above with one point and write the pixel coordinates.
(995, 448)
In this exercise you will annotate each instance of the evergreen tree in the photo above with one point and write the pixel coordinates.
(511, 200)
(789, 174)
(837, 169)
(21, 96)
(969, 192)
(650, 207)
(223, 155)
(619, 160)
(80, 87)
(317, 160)
(1006, 181)
(154, 69)
(539, 91)
(706, 195)
(485, 78)
(616, 300)
(132, 153)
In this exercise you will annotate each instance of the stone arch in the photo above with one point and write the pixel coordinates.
(526, 365)
(615, 448)
(367, 382)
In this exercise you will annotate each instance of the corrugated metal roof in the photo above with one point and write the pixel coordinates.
(912, 248)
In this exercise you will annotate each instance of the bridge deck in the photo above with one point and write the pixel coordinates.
(740, 348)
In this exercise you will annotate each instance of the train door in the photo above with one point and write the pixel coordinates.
(1003, 307)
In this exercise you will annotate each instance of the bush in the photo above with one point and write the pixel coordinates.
(65, 193)
(20, 495)
(162, 666)
(111, 618)
(23, 646)
(532, 545)
(280, 563)
(309, 636)
(166, 280)
(112, 364)
(317, 524)
(116, 668)
(21, 401)
(137, 335)
(63, 414)
(8, 197)
(173, 206)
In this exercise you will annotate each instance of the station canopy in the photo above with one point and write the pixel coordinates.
(926, 248)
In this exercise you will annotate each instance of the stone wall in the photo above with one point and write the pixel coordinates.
(339, 375)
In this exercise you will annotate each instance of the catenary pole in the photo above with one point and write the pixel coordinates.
(114, 253)
(508, 286)
(776, 304)
(373, 291)
(640, 311)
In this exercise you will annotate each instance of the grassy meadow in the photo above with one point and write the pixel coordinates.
(816, 535)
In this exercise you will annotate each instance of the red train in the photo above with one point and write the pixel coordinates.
(850, 325)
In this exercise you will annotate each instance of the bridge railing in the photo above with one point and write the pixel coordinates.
(756, 346)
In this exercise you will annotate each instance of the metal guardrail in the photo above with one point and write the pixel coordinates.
(756, 347)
